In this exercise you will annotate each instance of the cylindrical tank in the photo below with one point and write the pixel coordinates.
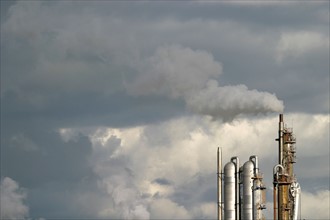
(247, 191)
(229, 188)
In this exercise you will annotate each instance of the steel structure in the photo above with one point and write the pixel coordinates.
(286, 188)
(241, 192)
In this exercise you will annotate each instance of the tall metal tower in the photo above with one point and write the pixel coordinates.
(286, 187)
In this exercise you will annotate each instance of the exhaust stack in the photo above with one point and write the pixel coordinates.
(286, 187)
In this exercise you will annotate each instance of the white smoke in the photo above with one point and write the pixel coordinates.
(181, 73)
(12, 200)
(229, 101)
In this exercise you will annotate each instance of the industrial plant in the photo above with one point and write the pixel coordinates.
(242, 193)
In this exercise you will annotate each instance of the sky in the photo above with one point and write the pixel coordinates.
(115, 109)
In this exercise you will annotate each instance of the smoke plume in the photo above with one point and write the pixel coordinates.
(182, 73)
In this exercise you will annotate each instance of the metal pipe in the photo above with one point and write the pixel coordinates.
(276, 170)
(275, 201)
(219, 179)
(254, 160)
(279, 190)
(280, 139)
(235, 160)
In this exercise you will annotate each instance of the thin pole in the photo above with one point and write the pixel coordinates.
(275, 201)
(219, 181)
(300, 204)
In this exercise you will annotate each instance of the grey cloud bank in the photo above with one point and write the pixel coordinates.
(99, 100)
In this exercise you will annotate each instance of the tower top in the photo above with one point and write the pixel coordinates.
(281, 117)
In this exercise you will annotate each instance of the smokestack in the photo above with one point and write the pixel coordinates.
(280, 139)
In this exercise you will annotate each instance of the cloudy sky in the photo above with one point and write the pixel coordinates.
(115, 109)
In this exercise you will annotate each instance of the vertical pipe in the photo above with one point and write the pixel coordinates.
(258, 200)
(300, 207)
(235, 160)
(219, 179)
(296, 207)
(280, 189)
(296, 194)
(280, 139)
(277, 210)
(275, 200)
(254, 160)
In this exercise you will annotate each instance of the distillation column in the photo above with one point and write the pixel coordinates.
(244, 195)
(247, 212)
(229, 191)
(259, 193)
(286, 187)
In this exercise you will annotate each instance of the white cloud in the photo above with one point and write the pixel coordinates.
(167, 209)
(111, 162)
(205, 210)
(12, 200)
(182, 152)
(315, 205)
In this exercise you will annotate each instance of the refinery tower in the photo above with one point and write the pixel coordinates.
(241, 192)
